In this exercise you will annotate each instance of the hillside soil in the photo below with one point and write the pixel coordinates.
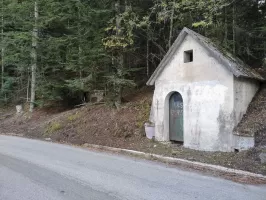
(254, 121)
(123, 128)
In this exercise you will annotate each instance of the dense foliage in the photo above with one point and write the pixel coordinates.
(80, 46)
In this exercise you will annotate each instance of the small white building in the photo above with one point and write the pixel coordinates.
(201, 94)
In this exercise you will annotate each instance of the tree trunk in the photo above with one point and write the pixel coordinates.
(225, 27)
(28, 85)
(147, 56)
(234, 30)
(34, 57)
(171, 26)
(2, 49)
(120, 59)
(79, 48)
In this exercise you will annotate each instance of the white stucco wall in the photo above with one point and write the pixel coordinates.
(244, 91)
(207, 89)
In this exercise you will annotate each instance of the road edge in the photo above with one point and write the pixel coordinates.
(235, 175)
(178, 161)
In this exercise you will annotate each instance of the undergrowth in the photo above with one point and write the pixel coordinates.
(52, 128)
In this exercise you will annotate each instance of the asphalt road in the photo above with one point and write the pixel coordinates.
(36, 170)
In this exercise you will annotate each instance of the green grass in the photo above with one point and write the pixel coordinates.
(52, 128)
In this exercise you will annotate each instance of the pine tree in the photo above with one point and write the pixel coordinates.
(111, 45)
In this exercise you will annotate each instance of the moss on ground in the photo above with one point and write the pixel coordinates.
(52, 128)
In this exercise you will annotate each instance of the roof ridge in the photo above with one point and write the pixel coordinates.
(238, 67)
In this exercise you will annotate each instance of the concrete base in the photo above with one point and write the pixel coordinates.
(242, 143)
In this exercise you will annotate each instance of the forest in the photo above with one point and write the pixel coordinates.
(61, 51)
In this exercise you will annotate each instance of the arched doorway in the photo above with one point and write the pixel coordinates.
(176, 125)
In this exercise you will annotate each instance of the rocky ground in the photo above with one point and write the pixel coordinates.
(103, 125)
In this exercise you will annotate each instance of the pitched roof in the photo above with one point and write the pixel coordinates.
(234, 64)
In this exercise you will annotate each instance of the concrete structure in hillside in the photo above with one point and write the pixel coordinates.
(201, 94)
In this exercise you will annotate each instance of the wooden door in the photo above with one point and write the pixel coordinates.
(176, 118)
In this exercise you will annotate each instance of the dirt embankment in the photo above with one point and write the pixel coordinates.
(102, 125)
(94, 124)
(254, 121)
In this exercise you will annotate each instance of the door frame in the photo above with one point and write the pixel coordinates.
(167, 116)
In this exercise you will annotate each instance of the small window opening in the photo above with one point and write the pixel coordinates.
(188, 56)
